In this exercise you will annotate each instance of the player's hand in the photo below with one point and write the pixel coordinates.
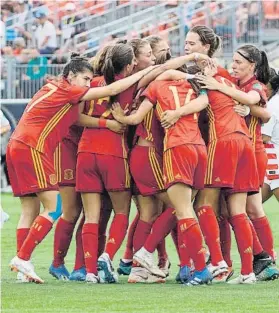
(117, 112)
(116, 126)
(208, 82)
(211, 68)
(242, 110)
(169, 118)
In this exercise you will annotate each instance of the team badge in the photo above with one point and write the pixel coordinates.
(53, 179)
(68, 174)
(257, 86)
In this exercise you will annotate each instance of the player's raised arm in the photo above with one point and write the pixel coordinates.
(116, 87)
(135, 118)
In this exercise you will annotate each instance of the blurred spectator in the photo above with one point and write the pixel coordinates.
(45, 34)
(58, 57)
(19, 45)
(68, 27)
(241, 20)
(2, 33)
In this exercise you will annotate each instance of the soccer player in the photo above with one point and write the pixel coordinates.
(45, 122)
(229, 136)
(182, 141)
(251, 70)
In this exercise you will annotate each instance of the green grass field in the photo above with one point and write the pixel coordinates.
(55, 296)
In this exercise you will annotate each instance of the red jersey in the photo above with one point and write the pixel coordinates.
(254, 123)
(48, 116)
(224, 73)
(103, 140)
(170, 95)
(223, 120)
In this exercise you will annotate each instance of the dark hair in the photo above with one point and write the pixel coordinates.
(117, 57)
(98, 61)
(77, 64)
(253, 55)
(137, 44)
(274, 83)
(208, 37)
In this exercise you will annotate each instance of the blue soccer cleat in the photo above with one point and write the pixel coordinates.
(59, 272)
(78, 275)
(203, 277)
(105, 270)
(177, 277)
(269, 273)
(185, 274)
(124, 268)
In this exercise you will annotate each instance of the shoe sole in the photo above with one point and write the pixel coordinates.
(62, 277)
(31, 279)
(142, 263)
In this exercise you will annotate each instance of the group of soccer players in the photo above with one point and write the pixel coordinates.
(122, 128)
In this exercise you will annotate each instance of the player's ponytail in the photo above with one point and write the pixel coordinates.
(77, 64)
(253, 55)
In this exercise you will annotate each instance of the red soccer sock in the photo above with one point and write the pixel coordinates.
(37, 233)
(90, 246)
(21, 235)
(264, 233)
(244, 240)
(62, 239)
(160, 229)
(192, 238)
(174, 236)
(225, 239)
(162, 252)
(184, 257)
(117, 234)
(210, 230)
(128, 254)
(257, 247)
(142, 231)
(79, 260)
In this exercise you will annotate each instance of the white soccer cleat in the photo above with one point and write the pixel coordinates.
(26, 268)
(244, 279)
(216, 270)
(21, 278)
(145, 259)
(92, 278)
(164, 265)
(142, 275)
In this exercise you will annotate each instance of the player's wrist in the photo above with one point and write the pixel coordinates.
(102, 123)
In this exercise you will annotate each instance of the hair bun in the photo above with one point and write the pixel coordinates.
(74, 55)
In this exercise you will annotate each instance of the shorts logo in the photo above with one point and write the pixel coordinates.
(53, 179)
(178, 176)
(218, 179)
(68, 174)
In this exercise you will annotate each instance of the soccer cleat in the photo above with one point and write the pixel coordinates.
(142, 275)
(105, 270)
(124, 268)
(219, 269)
(224, 277)
(244, 279)
(269, 273)
(164, 265)
(145, 259)
(78, 275)
(261, 261)
(92, 278)
(21, 278)
(177, 277)
(60, 272)
(185, 274)
(203, 277)
(26, 268)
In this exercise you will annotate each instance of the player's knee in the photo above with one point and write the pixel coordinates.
(58, 210)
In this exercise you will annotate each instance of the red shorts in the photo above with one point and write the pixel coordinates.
(146, 169)
(99, 172)
(185, 164)
(29, 170)
(65, 160)
(232, 164)
(261, 159)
